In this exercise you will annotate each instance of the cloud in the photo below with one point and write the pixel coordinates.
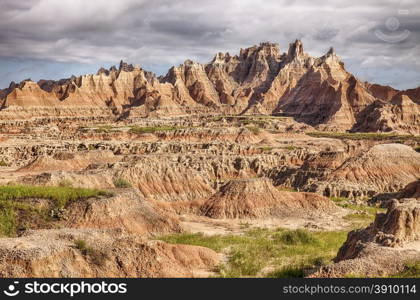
(158, 34)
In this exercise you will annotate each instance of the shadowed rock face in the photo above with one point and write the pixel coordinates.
(401, 114)
(411, 190)
(260, 80)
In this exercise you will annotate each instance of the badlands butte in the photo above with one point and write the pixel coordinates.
(262, 164)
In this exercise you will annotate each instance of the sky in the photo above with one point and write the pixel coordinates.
(378, 40)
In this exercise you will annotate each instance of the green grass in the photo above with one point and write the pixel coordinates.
(290, 148)
(266, 148)
(288, 252)
(364, 214)
(141, 130)
(65, 183)
(121, 183)
(3, 163)
(96, 256)
(417, 148)
(296, 237)
(411, 270)
(338, 199)
(215, 242)
(15, 214)
(366, 136)
(288, 272)
(259, 123)
(60, 195)
(7, 221)
(359, 217)
(82, 246)
(370, 210)
(255, 130)
(104, 129)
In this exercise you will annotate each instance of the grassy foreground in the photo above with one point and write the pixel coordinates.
(279, 253)
(141, 130)
(363, 214)
(268, 253)
(16, 213)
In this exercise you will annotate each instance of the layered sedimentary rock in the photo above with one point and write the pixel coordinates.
(260, 80)
(400, 114)
(258, 198)
(384, 247)
(411, 190)
(399, 225)
(126, 211)
(54, 253)
(383, 168)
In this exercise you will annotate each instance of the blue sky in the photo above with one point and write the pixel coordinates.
(379, 41)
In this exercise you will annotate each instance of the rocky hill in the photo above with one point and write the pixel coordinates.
(382, 248)
(260, 80)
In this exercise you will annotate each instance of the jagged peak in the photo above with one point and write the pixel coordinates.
(272, 48)
(221, 57)
(295, 49)
(125, 67)
(191, 63)
(102, 70)
(331, 51)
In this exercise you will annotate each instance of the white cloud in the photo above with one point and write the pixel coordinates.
(165, 32)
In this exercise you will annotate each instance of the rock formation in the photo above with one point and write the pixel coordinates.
(383, 248)
(258, 198)
(383, 168)
(55, 253)
(260, 80)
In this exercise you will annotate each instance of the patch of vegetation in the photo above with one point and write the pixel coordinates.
(290, 148)
(104, 129)
(288, 272)
(359, 217)
(244, 225)
(411, 270)
(121, 183)
(215, 242)
(7, 221)
(3, 163)
(141, 130)
(338, 199)
(286, 189)
(289, 252)
(91, 147)
(296, 237)
(258, 123)
(96, 256)
(417, 148)
(370, 210)
(363, 214)
(366, 136)
(266, 148)
(255, 130)
(17, 215)
(60, 195)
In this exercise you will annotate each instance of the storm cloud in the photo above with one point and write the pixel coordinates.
(378, 40)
